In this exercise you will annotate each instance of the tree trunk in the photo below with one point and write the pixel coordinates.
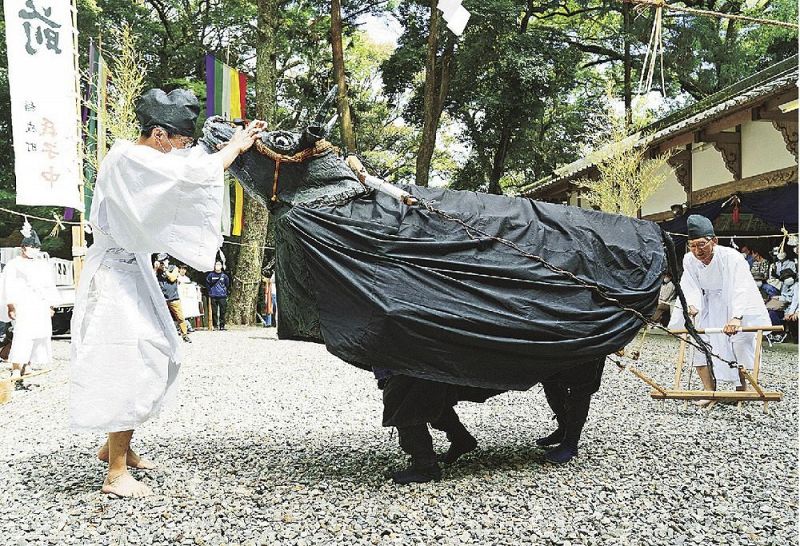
(342, 105)
(430, 107)
(499, 162)
(247, 277)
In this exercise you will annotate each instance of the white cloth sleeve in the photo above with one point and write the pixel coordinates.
(166, 203)
(743, 287)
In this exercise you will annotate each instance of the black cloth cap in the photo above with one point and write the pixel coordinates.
(699, 226)
(176, 112)
(786, 273)
(32, 240)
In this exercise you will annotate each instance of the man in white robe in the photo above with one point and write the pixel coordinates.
(29, 298)
(720, 293)
(151, 196)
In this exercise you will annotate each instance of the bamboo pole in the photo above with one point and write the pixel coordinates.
(740, 329)
(647, 379)
(752, 381)
(717, 395)
(78, 233)
(30, 375)
(757, 361)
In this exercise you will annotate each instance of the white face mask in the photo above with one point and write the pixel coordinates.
(789, 281)
(781, 256)
(759, 283)
(180, 152)
(32, 252)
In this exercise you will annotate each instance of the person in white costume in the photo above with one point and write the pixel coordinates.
(30, 295)
(152, 195)
(720, 293)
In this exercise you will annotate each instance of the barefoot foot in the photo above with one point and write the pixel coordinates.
(125, 485)
(132, 459)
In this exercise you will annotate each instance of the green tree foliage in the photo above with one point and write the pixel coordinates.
(627, 175)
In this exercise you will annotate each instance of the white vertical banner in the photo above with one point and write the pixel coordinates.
(45, 117)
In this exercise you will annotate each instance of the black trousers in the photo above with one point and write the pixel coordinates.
(218, 306)
(410, 404)
(569, 394)
(416, 440)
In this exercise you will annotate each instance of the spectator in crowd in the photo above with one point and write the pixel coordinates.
(183, 278)
(272, 303)
(782, 263)
(768, 294)
(748, 254)
(791, 317)
(788, 288)
(666, 297)
(219, 286)
(167, 276)
(760, 265)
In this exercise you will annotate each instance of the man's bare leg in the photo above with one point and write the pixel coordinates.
(119, 482)
(708, 383)
(133, 460)
(744, 385)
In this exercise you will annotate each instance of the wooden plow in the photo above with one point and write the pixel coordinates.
(757, 394)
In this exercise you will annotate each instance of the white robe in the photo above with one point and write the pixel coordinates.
(30, 285)
(125, 350)
(721, 290)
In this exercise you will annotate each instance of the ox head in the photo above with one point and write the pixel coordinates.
(320, 178)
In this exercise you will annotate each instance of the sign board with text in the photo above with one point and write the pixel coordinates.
(44, 102)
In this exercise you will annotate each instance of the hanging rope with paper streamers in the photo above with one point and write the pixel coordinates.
(785, 238)
(655, 52)
(62, 222)
(27, 229)
(57, 227)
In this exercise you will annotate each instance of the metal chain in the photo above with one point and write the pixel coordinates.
(592, 287)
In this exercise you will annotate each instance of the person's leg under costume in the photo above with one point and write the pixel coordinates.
(461, 441)
(409, 404)
(556, 395)
(579, 384)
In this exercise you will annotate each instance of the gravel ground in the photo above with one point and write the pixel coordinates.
(277, 442)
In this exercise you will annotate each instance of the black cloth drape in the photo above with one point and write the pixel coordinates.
(777, 206)
(405, 289)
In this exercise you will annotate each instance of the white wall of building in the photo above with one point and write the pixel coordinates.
(763, 149)
(668, 194)
(708, 168)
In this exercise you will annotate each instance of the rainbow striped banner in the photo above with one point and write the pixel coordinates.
(226, 95)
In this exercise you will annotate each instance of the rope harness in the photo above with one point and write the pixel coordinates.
(320, 147)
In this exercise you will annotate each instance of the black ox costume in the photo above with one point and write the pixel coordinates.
(463, 292)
